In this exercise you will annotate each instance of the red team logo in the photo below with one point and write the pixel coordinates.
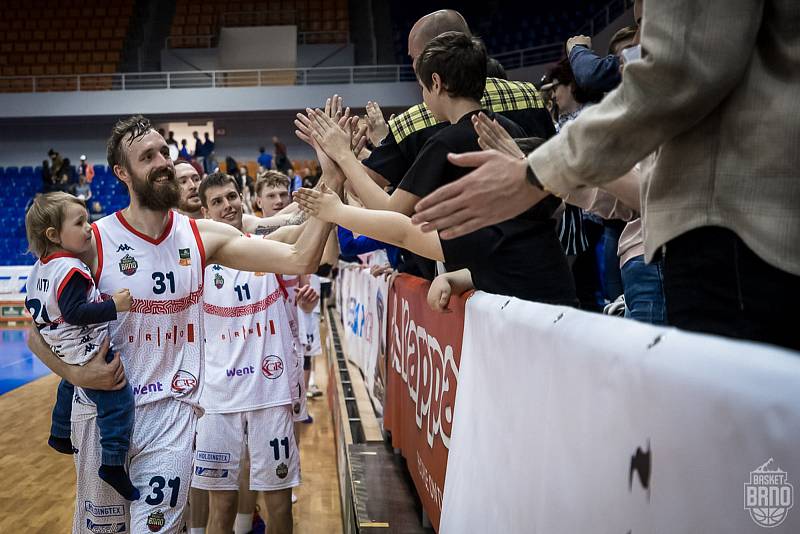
(183, 382)
(272, 367)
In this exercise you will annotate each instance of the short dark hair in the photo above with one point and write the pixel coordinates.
(459, 60)
(271, 179)
(136, 126)
(216, 179)
(562, 71)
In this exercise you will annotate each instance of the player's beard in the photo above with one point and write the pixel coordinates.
(157, 197)
(188, 207)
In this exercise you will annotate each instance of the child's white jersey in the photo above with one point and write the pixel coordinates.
(74, 344)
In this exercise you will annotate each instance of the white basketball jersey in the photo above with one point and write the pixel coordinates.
(161, 337)
(249, 345)
(74, 344)
(291, 283)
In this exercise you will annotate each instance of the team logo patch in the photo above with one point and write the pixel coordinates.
(104, 528)
(282, 470)
(272, 367)
(210, 472)
(183, 382)
(124, 248)
(128, 265)
(184, 257)
(219, 281)
(155, 521)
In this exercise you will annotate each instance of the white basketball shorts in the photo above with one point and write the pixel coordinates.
(268, 435)
(160, 466)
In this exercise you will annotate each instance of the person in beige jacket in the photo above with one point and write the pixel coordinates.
(716, 92)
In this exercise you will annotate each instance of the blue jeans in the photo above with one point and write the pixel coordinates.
(115, 411)
(609, 262)
(644, 291)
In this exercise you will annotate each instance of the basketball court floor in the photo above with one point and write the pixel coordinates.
(38, 490)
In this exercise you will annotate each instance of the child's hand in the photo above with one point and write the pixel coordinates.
(321, 203)
(122, 300)
(439, 294)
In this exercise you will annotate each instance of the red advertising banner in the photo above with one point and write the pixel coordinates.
(422, 376)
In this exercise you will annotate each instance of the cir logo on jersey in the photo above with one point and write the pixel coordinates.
(768, 496)
(155, 521)
(219, 281)
(183, 382)
(282, 471)
(184, 257)
(128, 265)
(272, 366)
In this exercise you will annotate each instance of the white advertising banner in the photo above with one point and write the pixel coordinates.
(363, 310)
(574, 422)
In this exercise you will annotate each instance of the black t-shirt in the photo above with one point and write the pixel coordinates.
(392, 160)
(520, 257)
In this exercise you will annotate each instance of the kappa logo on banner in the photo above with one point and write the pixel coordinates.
(768, 496)
(105, 528)
(432, 391)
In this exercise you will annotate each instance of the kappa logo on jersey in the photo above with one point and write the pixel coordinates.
(155, 521)
(128, 265)
(219, 281)
(105, 528)
(216, 267)
(184, 257)
(183, 382)
(124, 248)
(272, 366)
(282, 470)
(104, 511)
(210, 472)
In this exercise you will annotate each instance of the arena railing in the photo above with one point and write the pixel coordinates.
(179, 42)
(198, 79)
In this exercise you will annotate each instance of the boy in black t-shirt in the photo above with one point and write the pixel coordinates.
(520, 257)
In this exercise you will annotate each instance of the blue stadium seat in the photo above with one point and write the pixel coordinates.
(26, 171)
